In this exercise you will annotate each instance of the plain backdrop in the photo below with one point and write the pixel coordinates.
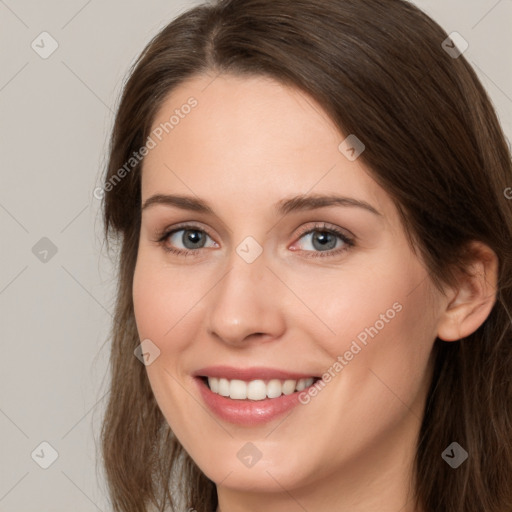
(56, 281)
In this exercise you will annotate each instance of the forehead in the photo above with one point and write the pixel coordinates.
(250, 140)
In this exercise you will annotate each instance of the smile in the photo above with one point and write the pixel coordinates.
(258, 389)
(253, 396)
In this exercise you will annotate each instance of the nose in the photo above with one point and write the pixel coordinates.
(246, 304)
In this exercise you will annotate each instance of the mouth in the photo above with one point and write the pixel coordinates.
(257, 389)
(251, 397)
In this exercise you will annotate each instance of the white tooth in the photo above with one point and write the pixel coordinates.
(289, 386)
(223, 387)
(256, 390)
(301, 384)
(213, 382)
(237, 390)
(274, 388)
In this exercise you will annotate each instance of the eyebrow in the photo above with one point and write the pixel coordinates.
(283, 207)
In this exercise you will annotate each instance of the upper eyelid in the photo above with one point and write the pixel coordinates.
(172, 229)
(327, 226)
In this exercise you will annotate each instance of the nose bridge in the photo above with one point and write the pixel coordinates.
(245, 300)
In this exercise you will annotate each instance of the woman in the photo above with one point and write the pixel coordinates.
(315, 267)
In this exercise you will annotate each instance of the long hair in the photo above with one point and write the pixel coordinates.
(433, 142)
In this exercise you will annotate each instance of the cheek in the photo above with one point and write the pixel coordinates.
(382, 332)
(163, 299)
(164, 313)
(149, 299)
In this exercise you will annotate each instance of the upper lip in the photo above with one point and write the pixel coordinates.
(248, 374)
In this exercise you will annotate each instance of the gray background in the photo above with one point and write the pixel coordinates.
(55, 309)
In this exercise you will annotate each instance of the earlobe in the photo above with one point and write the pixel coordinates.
(474, 297)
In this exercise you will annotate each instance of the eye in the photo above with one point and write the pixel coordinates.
(322, 237)
(190, 236)
(324, 241)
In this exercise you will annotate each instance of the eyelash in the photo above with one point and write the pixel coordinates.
(321, 227)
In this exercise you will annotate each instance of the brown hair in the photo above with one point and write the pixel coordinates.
(433, 142)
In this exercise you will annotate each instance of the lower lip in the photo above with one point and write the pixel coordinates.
(248, 412)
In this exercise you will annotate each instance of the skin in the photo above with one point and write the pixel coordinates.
(248, 144)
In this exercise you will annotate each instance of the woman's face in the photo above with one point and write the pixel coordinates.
(268, 284)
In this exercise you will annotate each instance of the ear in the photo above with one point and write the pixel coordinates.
(470, 302)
